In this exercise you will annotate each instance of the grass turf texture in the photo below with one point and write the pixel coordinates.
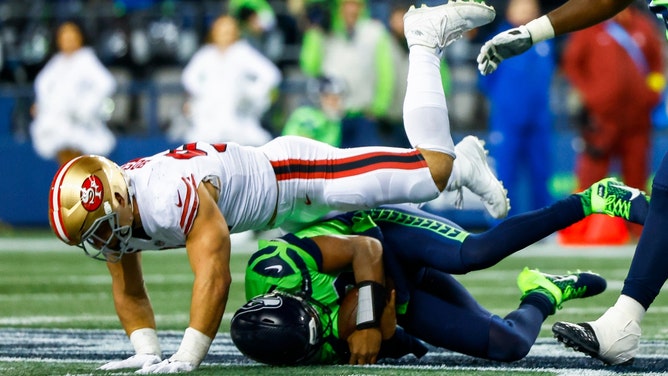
(58, 287)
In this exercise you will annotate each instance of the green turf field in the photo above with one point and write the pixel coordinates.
(47, 285)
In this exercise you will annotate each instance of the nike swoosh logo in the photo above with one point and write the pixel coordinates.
(571, 278)
(180, 203)
(308, 200)
(634, 192)
(278, 268)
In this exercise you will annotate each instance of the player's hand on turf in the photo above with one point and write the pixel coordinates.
(503, 46)
(364, 346)
(135, 361)
(167, 366)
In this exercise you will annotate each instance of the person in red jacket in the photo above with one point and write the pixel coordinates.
(611, 128)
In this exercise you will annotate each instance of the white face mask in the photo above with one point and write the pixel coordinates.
(113, 241)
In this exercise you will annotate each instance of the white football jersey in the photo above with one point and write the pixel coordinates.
(165, 188)
(303, 180)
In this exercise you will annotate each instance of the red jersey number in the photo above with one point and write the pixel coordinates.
(188, 151)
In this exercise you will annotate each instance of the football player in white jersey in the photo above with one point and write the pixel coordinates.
(198, 194)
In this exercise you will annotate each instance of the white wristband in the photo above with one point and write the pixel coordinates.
(194, 347)
(365, 306)
(540, 29)
(145, 341)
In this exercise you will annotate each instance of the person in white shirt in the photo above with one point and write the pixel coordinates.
(230, 85)
(72, 91)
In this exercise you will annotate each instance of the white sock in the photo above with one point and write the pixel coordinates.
(426, 119)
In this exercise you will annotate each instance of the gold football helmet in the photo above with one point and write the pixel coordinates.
(83, 209)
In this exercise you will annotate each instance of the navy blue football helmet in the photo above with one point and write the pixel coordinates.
(277, 329)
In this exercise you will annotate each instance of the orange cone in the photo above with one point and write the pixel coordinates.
(596, 229)
(574, 234)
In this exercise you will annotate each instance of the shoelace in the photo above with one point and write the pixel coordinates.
(569, 292)
(617, 206)
(459, 198)
(441, 40)
(565, 284)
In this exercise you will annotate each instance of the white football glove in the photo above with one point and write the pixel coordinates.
(504, 45)
(135, 361)
(167, 366)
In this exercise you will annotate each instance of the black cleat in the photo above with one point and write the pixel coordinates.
(580, 337)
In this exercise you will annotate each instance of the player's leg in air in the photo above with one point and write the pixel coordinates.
(614, 337)
(428, 31)
(443, 248)
(427, 240)
(329, 178)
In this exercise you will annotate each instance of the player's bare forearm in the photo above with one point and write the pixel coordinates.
(131, 300)
(363, 253)
(208, 246)
(580, 14)
(211, 285)
(209, 298)
(135, 314)
(368, 260)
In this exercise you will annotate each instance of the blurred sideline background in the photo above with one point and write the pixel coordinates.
(146, 43)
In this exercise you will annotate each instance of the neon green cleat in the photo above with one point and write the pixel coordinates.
(612, 197)
(560, 288)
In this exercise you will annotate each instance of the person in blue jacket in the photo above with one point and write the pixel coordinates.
(520, 118)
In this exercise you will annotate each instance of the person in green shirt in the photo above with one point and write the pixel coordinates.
(357, 50)
(321, 120)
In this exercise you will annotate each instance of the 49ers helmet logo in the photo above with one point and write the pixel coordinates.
(91, 193)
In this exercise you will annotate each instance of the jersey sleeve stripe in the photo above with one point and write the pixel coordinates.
(54, 203)
(346, 167)
(190, 205)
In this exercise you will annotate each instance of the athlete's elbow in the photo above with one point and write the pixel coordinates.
(372, 248)
(217, 284)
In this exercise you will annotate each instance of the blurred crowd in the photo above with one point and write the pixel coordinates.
(250, 70)
(146, 44)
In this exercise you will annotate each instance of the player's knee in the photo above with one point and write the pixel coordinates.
(511, 349)
(507, 341)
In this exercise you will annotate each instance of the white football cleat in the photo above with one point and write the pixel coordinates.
(475, 174)
(437, 27)
(613, 338)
